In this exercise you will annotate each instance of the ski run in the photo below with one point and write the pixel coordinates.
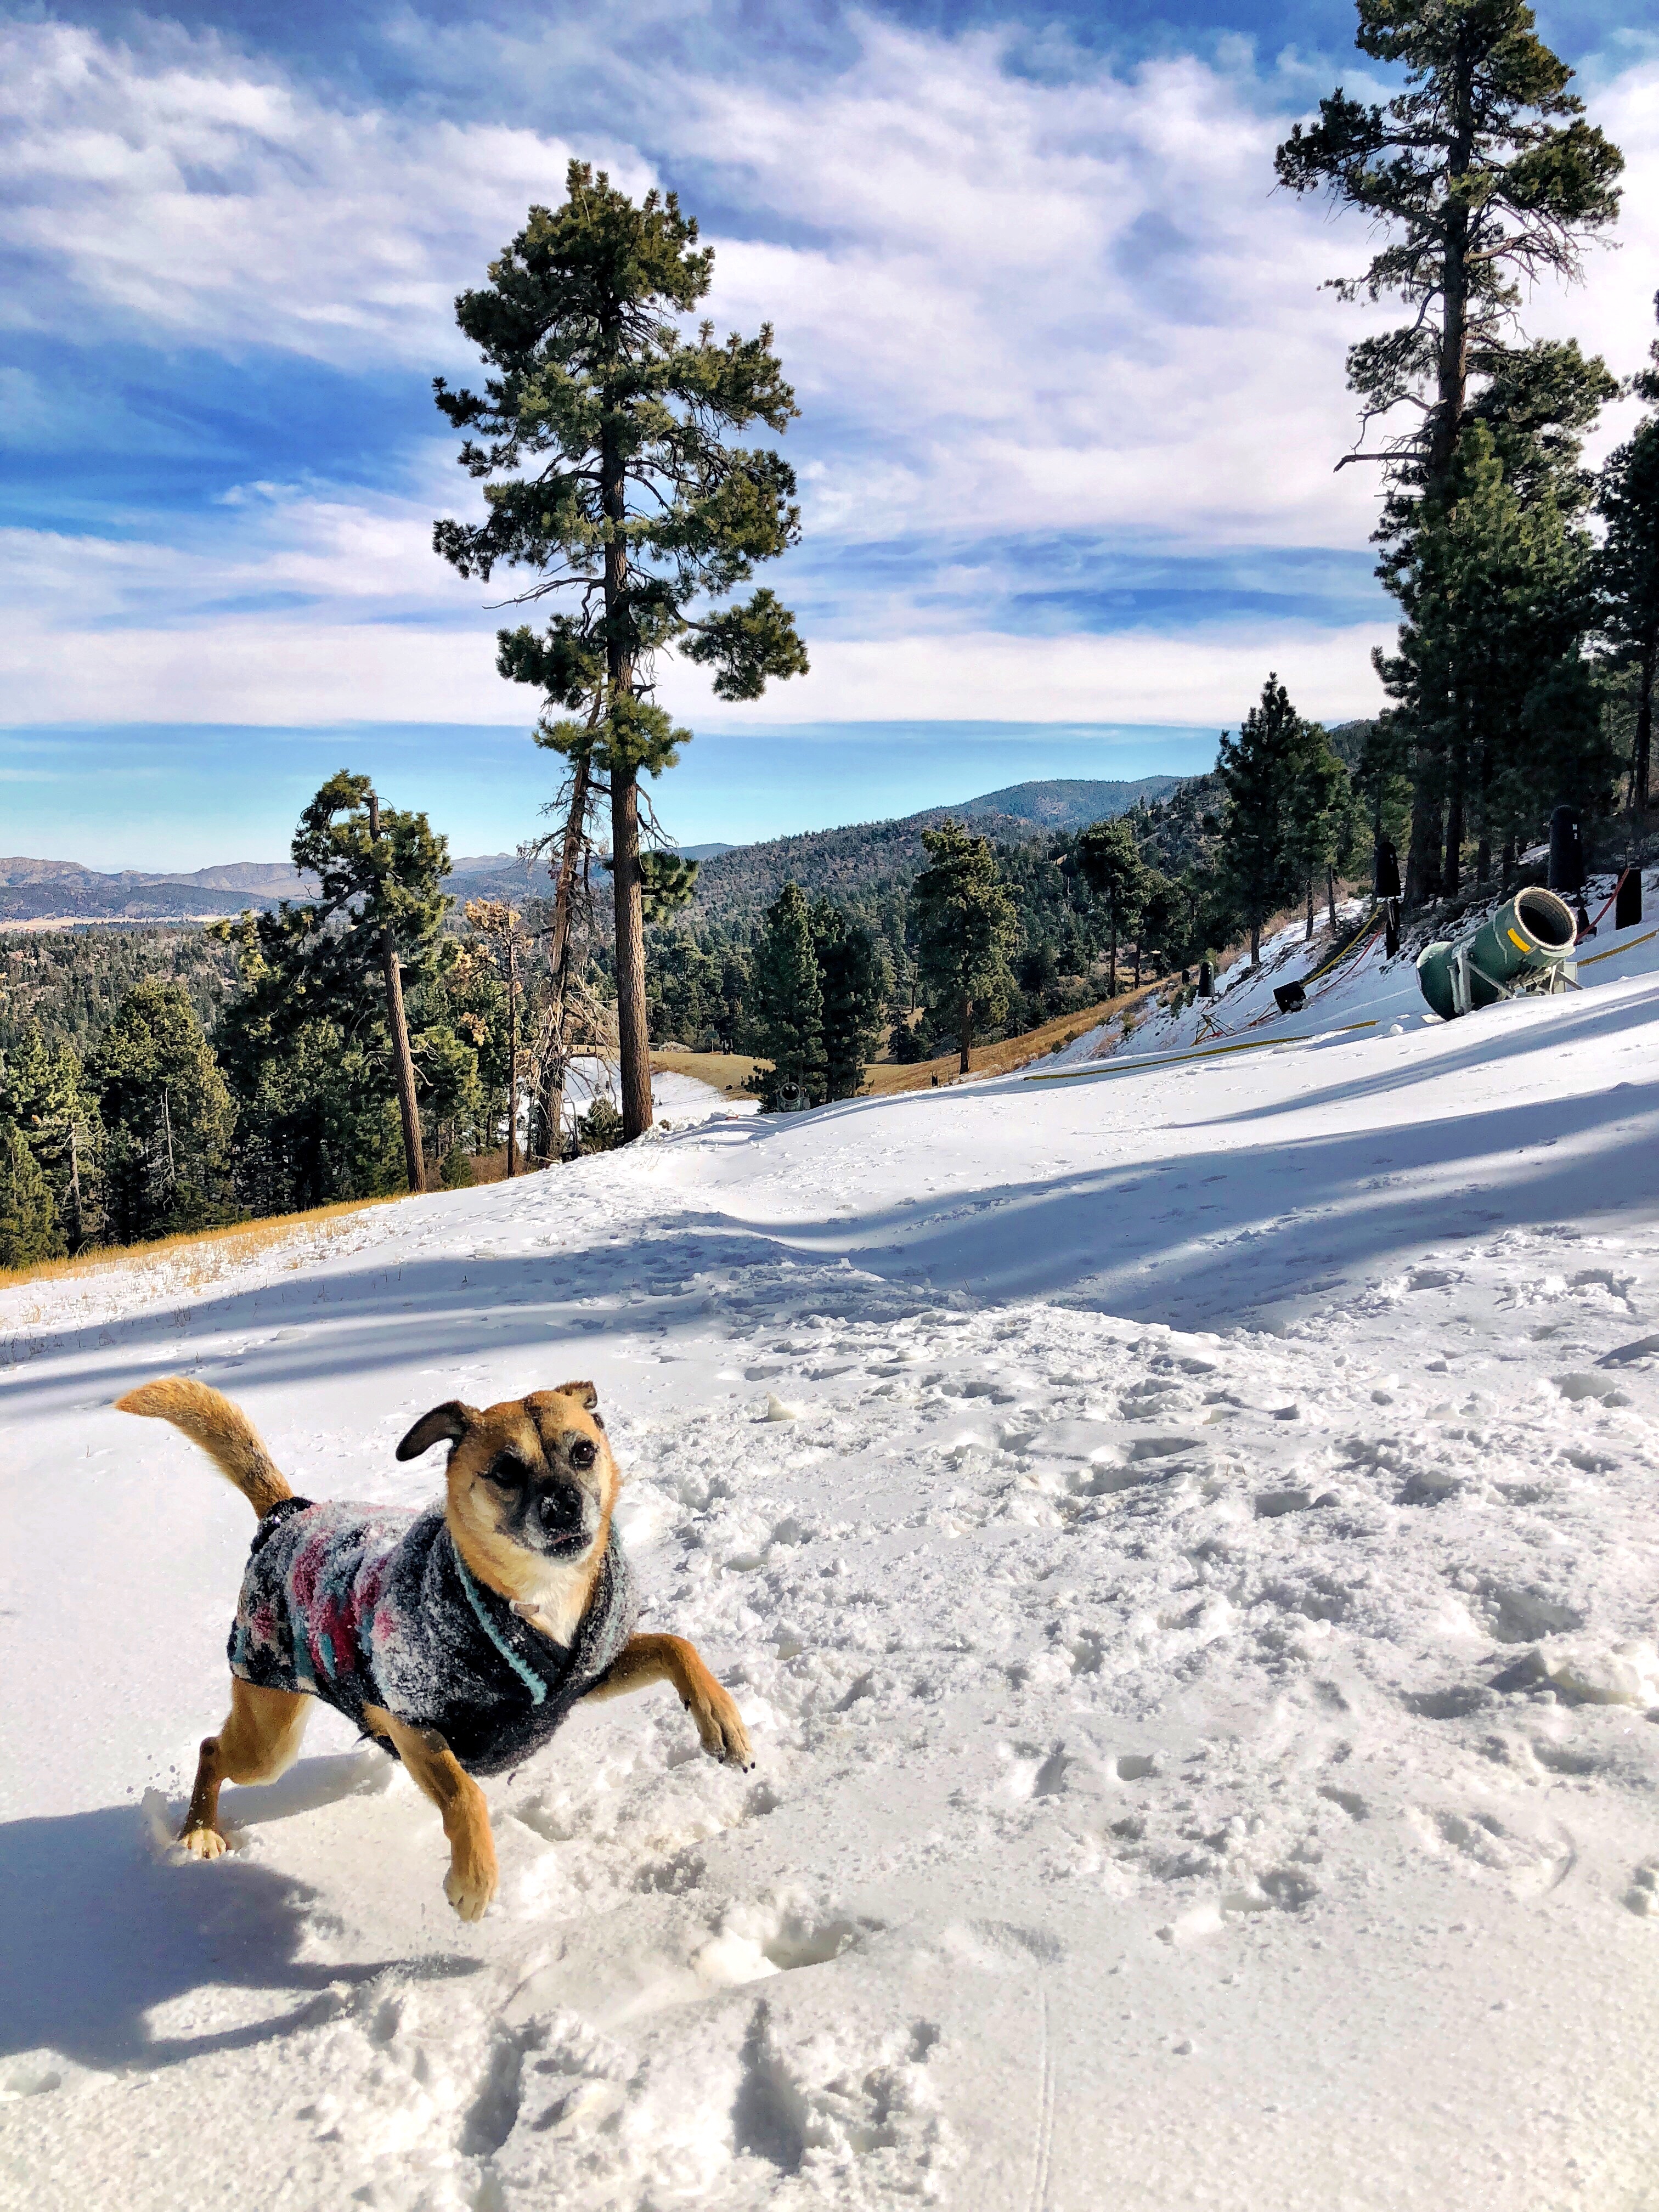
(1183, 1537)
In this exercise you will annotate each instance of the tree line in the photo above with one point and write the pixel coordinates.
(366, 1032)
(372, 1039)
(988, 940)
(377, 1037)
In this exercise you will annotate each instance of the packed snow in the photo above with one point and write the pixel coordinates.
(1182, 1537)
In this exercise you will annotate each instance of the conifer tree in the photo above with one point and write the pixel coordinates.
(1381, 780)
(1258, 771)
(605, 451)
(789, 1002)
(1110, 863)
(1489, 179)
(1487, 175)
(1628, 569)
(668, 881)
(167, 1117)
(965, 929)
(29, 1230)
(347, 957)
(1488, 670)
(44, 1092)
(854, 982)
(1318, 816)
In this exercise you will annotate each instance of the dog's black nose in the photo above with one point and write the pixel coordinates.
(560, 1509)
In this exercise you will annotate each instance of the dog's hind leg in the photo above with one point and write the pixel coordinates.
(646, 1659)
(472, 1879)
(260, 1740)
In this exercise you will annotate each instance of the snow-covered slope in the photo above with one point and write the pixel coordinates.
(1183, 1539)
(1355, 989)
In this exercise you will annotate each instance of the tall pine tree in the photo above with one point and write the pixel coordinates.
(1489, 179)
(789, 1002)
(1319, 814)
(1109, 861)
(1489, 176)
(606, 453)
(853, 980)
(44, 1091)
(1258, 859)
(29, 1229)
(350, 959)
(167, 1117)
(1488, 671)
(965, 929)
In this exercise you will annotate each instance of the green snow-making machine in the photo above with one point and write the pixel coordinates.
(1527, 945)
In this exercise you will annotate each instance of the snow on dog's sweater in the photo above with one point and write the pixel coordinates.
(369, 1604)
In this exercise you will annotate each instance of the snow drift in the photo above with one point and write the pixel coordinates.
(1182, 1539)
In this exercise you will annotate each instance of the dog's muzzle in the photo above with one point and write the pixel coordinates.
(560, 1518)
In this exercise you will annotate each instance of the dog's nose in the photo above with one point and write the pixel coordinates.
(561, 1509)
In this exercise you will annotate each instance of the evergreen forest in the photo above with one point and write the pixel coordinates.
(383, 1035)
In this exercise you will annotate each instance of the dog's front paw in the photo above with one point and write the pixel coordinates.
(470, 1890)
(720, 1726)
(204, 1842)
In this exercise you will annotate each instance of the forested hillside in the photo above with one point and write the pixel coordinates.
(867, 858)
(71, 981)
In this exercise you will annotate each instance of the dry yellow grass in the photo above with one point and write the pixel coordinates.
(203, 1253)
(728, 1073)
(886, 1077)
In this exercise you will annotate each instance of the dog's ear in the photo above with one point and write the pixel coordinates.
(584, 1393)
(445, 1423)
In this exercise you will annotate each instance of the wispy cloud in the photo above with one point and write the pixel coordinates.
(1058, 346)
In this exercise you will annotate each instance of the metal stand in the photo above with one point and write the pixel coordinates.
(1532, 982)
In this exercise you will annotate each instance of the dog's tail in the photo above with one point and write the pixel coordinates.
(223, 1430)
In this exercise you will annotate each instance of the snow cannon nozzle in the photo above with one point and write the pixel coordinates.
(1525, 946)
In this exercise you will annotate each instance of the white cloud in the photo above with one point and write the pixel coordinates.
(282, 670)
(190, 197)
(1013, 306)
(1212, 674)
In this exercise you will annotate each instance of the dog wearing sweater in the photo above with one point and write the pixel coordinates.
(460, 1637)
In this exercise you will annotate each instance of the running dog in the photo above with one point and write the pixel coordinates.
(460, 1637)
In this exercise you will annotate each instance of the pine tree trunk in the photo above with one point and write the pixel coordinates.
(632, 1033)
(633, 1028)
(1423, 868)
(1451, 875)
(1307, 934)
(512, 1059)
(1451, 368)
(413, 1160)
(1330, 893)
(1642, 757)
(966, 1035)
(1256, 940)
(408, 1106)
(1111, 972)
(558, 957)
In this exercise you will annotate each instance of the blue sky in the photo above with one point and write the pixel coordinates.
(1071, 395)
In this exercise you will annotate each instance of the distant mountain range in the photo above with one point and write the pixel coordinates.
(733, 878)
(38, 891)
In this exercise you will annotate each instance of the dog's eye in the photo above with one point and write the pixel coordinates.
(509, 1473)
(582, 1453)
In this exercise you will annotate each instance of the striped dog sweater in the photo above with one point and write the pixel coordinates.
(369, 1604)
